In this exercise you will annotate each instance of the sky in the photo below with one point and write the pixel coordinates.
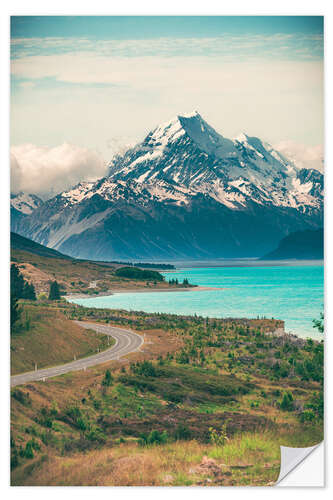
(83, 88)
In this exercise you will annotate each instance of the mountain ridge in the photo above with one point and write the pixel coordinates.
(301, 245)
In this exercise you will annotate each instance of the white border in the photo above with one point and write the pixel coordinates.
(144, 7)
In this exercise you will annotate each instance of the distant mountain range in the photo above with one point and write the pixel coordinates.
(184, 192)
(300, 245)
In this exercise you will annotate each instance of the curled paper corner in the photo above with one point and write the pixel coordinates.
(291, 458)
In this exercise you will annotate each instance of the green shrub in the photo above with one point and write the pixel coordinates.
(21, 397)
(145, 369)
(14, 461)
(28, 450)
(182, 432)
(97, 435)
(286, 403)
(307, 415)
(155, 437)
(108, 379)
(316, 404)
(47, 437)
(81, 423)
(254, 404)
(218, 438)
(31, 430)
(97, 404)
(45, 417)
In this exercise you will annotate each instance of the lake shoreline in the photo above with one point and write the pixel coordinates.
(110, 293)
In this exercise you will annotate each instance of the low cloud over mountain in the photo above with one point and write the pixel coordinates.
(303, 156)
(46, 171)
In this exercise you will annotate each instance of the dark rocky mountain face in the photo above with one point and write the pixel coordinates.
(184, 192)
(299, 245)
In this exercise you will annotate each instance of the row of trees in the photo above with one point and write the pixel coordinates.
(19, 289)
(176, 282)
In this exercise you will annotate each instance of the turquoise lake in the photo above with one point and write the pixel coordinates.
(293, 293)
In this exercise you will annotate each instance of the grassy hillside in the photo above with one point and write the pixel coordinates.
(18, 242)
(207, 401)
(46, 337)
(246, 459)
(74, 276)
(41, 265)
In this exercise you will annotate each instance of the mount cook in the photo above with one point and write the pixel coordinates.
(184, 192)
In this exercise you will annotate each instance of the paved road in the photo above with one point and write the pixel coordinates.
(126, 342)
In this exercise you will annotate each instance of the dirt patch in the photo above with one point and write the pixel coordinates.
(176, 420)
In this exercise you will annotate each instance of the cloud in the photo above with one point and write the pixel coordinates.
(94, 90)
(46, 171)
(269, 99)
(27, 85)
(91, 67)
(303, 156)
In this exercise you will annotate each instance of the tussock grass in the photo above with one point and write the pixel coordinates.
(171, 464)
(222, 374)
(51, 339)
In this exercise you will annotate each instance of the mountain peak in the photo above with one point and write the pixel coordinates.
(206, 137)
(176, 127)
(242, 137)
(186, 150)
(192, 114)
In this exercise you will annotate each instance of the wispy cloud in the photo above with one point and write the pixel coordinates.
(26, 85)
(278, 45)
(153, 72)
(89, 91)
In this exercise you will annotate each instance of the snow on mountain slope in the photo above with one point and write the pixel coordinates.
(186, 157)
(25, 203)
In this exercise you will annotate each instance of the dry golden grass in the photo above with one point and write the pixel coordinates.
(250, 458)
(246, 459)
(75, 275)
(50, 340)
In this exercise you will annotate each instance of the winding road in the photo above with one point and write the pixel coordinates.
(126, 342)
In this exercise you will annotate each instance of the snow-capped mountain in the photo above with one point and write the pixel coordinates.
(184, 191)
(25, 203)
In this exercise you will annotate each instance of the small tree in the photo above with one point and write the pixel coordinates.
(287, 401)
(54, 291)
(15, 312)
(219, 438)
(29, 291)
(16, 282)
(319, 323)
(108, 379)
